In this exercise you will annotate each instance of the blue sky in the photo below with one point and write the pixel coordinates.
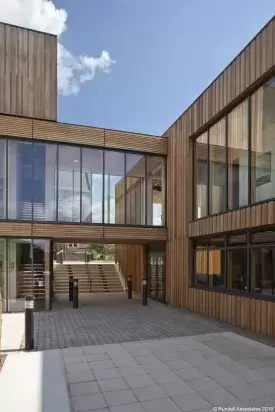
(166, 51)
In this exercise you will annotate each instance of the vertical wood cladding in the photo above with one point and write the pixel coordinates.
(254, 64)
(131, 259)
(28, 73)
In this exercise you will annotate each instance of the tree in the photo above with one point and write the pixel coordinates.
(98, 251)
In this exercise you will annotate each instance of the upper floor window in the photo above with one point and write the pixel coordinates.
(243, 139)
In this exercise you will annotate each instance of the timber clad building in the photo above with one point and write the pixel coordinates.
(198, 202)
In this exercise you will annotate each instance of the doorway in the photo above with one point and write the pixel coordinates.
(156, 272)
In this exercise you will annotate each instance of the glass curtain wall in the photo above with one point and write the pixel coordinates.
(2, 179)
(114, 187)
(238, 156)
(64, 183)
(32, 181)
(245, 263)
(155, 193)
(92, 186)
(201, 176)
(263, 143)
(241, 140)
(69, 184)
(217, 167)
(135, 189)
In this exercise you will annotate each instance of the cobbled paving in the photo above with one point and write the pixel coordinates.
(110, 319)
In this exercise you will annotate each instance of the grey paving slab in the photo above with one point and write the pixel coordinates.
(160, 405)
(191, 402)
(101, 374)
(155, 384)
(137, 381)
(83, 388)
(146, 393)
(131, 370)
(203, 384)
(132, 407)
(220, 397)
(77, 377)
(112, 384)
(88, 402)
(176, 388)
(122, 397)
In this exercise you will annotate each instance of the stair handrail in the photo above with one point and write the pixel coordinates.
(121, 276)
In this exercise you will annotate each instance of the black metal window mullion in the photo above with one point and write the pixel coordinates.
(103, 183)
(7, 180)
(225, 259)
(208, 174)
(125, 189)
(80, 214)
(226, 164)
(249, 118)
(145, 194)
(194, 181)
(57, 183)
(248, 251)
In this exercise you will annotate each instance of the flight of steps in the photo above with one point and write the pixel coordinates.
(26, 285)
(92, 278)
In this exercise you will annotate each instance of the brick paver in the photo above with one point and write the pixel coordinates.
(103, 319)
(195, 373)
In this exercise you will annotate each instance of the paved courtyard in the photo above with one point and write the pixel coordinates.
(115, 355)
(195, 373)
(115, 319)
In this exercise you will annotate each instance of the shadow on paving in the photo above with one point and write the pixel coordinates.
(103, 319)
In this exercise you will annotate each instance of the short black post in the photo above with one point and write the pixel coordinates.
(130, 287)
(29, 336)
(144, 292)
(75, 294)
(71, 281)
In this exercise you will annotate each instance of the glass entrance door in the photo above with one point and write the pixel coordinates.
(156, 272)
(23, 265)
(3, 285)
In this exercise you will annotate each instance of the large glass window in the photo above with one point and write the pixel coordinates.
(64, 183)
(237, 269)
(243, 138)
(155, 193)
(114, 187)
(2, 179)
(44, 181)
(263, 143)
(201, 176)
(92, 186)
(69, 177)
(201, 267)
(262, 269)
(216, 267)
(217, 152)
(32, 181)
(238, 156)
(135, 189)
(20, 175)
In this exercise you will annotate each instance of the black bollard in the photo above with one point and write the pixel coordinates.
(29, 308)
(144, 292)
(75, 294)
(71, 281)
(130, 287)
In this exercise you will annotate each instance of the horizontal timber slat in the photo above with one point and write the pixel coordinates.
(78, 233)
(249, 217)
(55, 132)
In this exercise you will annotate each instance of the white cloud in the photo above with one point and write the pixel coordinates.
(73, 71)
